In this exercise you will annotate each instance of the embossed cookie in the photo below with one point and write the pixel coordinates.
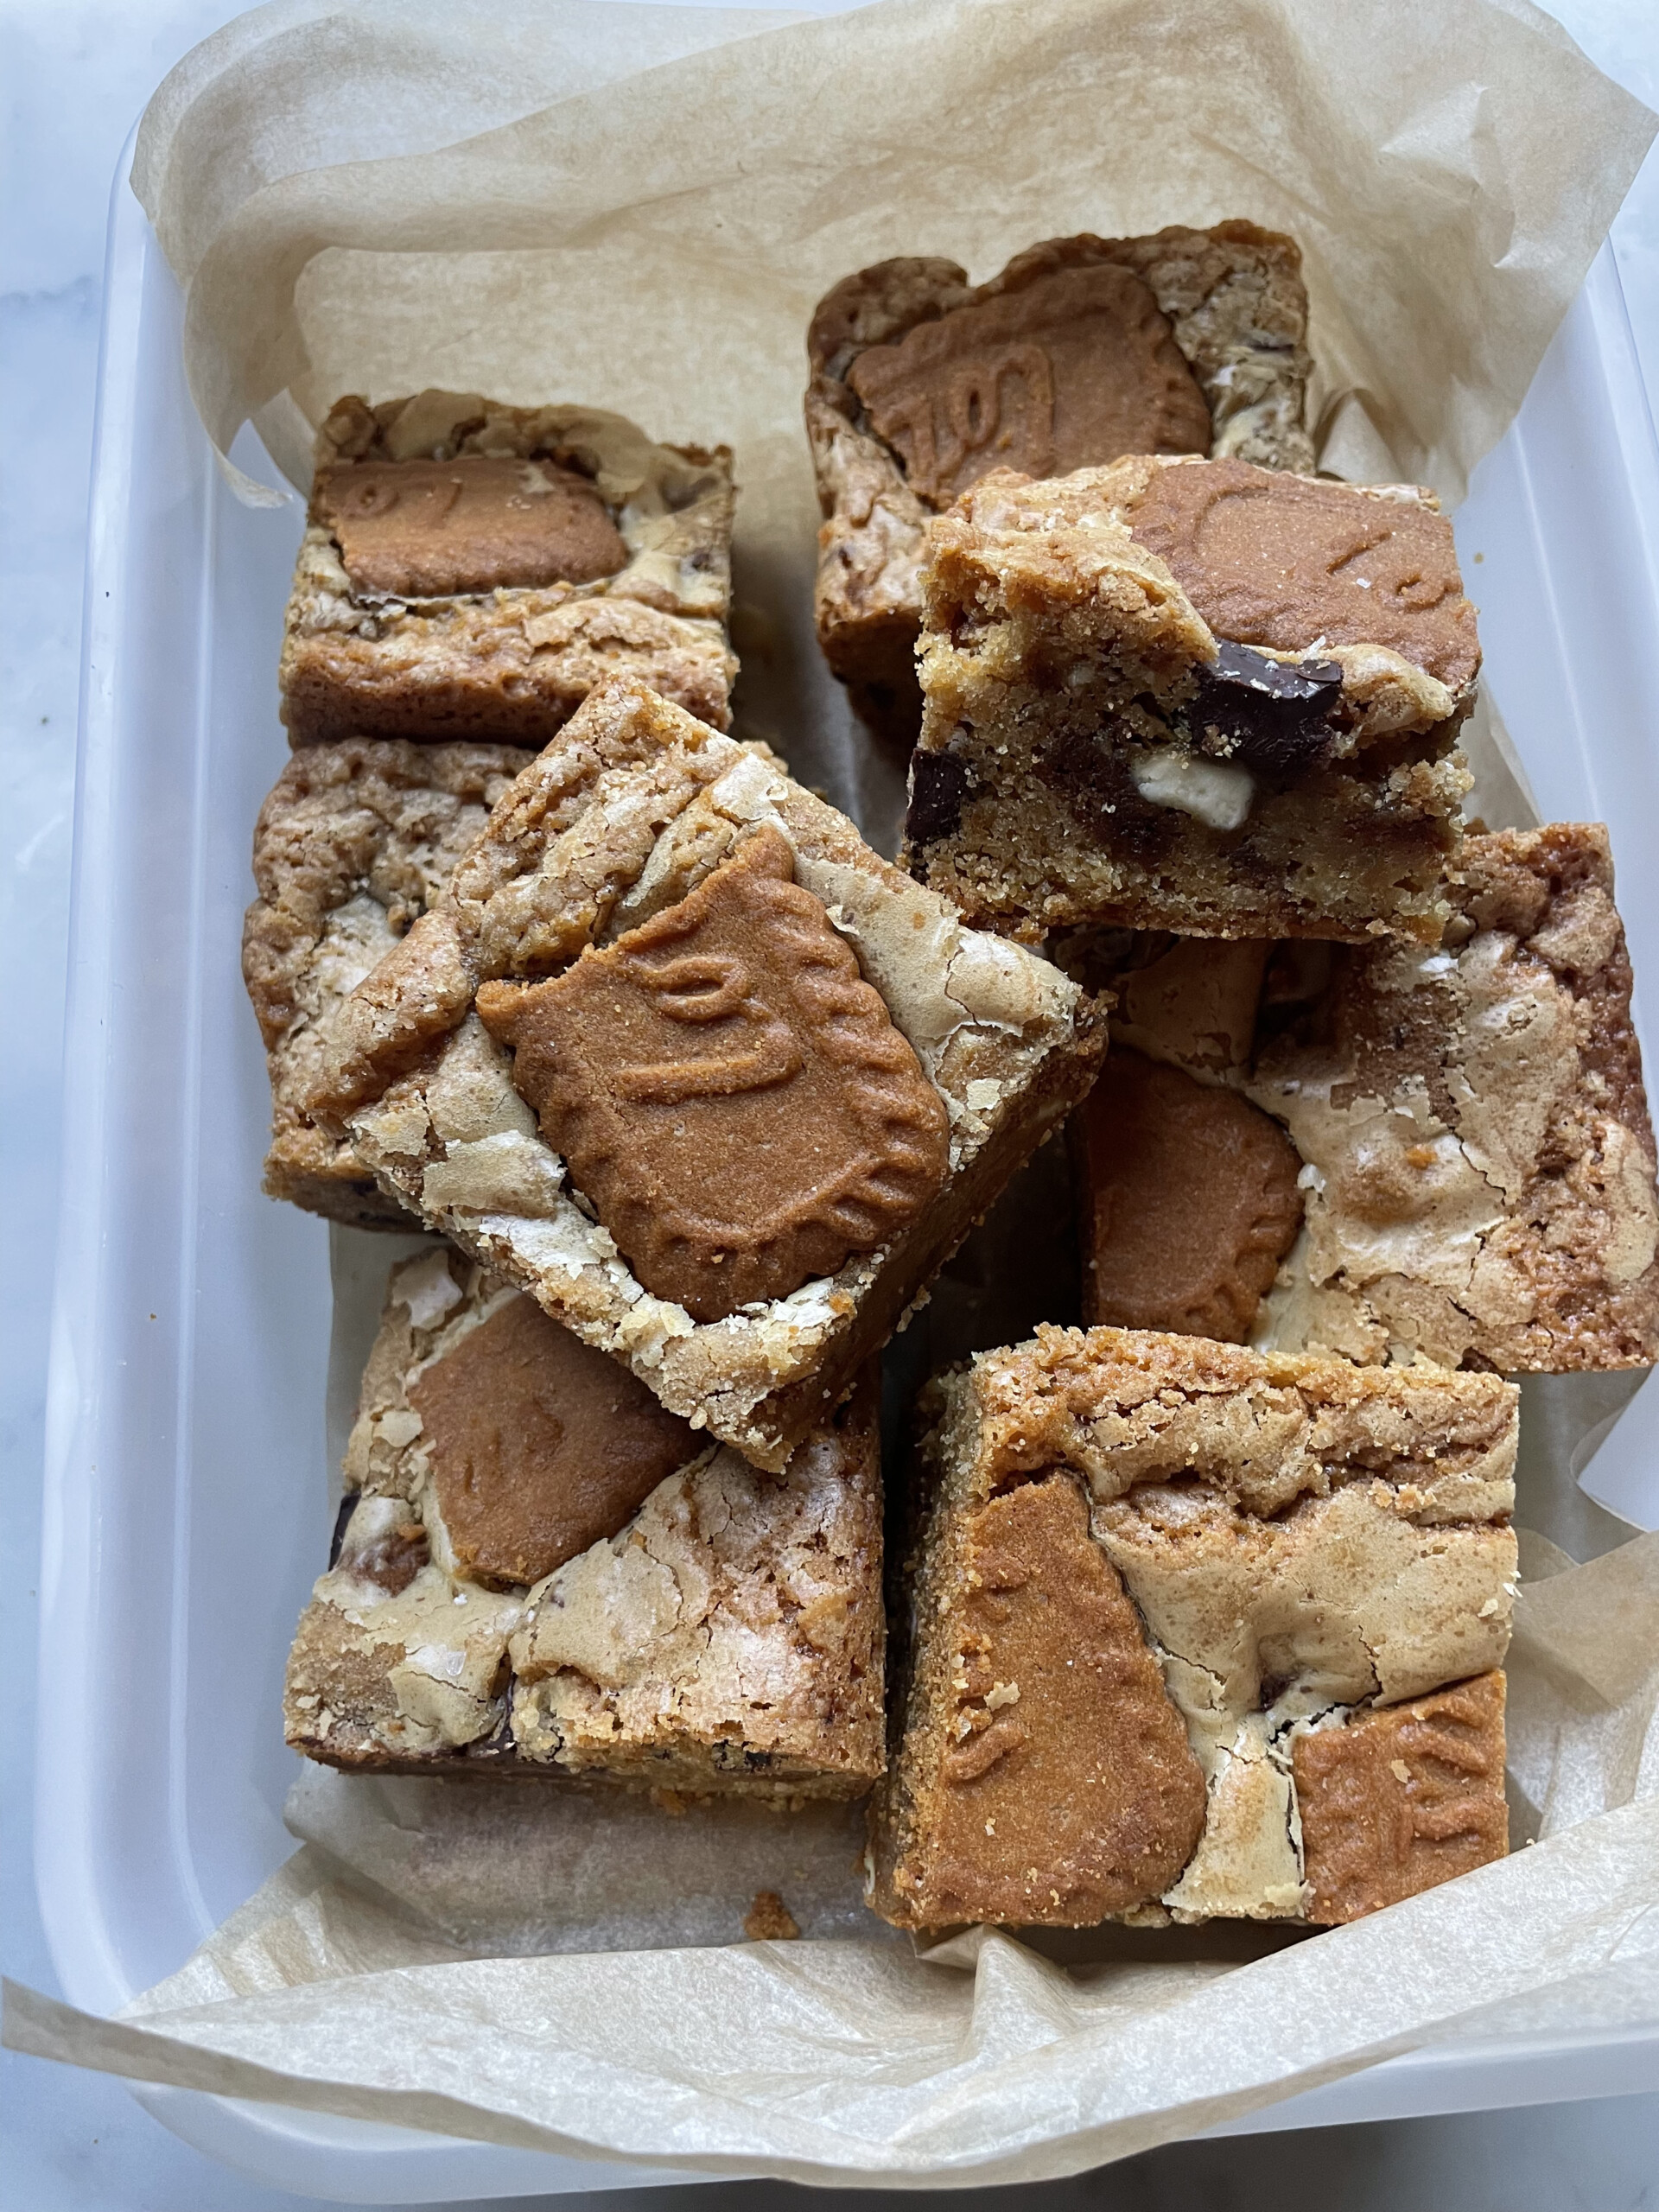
(680, 1056)
(1198, 1632)
(730, 1094)
(1188, 1201)
(431, 529)
(1084, 348)
(517, 1505)
(471, 570)
(1193, 696)
(1401, 1797)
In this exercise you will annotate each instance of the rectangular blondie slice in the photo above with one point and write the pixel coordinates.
(677, 1053)
(1196, 1631)
(352, 845)
(1083, 349)
(472, 570)
(1388, 1152)
(1195, 695)
(541, 1571)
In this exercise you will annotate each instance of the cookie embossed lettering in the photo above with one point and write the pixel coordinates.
(1403, 1798)
(1076, 368)
(423, 528)
(730, 1095)
(1286, 562)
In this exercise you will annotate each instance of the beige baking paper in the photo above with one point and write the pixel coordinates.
(637, 209)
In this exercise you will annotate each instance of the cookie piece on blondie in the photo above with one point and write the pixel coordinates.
(543, 1572)
(1193, 696)
(472, 570)
(677, 1053)
(1083, 349)
(350, 848)
(1171, 1603)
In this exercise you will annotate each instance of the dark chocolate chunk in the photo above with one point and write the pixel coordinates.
(347, 1507)
(1271, 715)
(938, 789)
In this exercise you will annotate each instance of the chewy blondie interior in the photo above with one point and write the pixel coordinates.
(1195, 1631)
(1194, 696)
(677, 1053)
(471, 570)
(1082, 349)
(542, 1571)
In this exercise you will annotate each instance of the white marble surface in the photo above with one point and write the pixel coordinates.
(75, 73)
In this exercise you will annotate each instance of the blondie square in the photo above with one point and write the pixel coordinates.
(1083, 349)
(1385, 1152)
(676, 1053)
(1196, 1631)
(1193, 696)
(541, 1571)
(472, 570)
(352, 847)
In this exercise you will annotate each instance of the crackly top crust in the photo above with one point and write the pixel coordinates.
(730, 1599)
(352, 845)
(1235, 299)
(627, 812)
(1302, 1538)
(1480, 1160)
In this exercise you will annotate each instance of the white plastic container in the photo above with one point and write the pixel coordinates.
(186, 1475)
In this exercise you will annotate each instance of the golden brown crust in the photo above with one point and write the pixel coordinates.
(352, 845)
(1403, 1798)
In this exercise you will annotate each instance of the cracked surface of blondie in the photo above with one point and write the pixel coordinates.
(351, 848)
(472, 570)
(1302, 1545)
(723, 1631)
(615, 835)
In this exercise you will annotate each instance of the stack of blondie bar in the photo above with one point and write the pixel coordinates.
(1198, 1610)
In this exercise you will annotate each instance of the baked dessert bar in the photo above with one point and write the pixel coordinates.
(1083, 349)
(675, 1052)
(540, 1571)
(350, 848)
(472, 570)
(1197, 1631)
(1193, 695)
(1464, 1133)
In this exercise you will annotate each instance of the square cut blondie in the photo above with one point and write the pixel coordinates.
(1081, 350)
(541, 1571)
(678, 1054)
(472, 570)
(1193, 696)
(1386, 1151)
(352, 845)
(1199, 1632)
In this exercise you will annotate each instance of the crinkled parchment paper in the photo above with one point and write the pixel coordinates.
(637, 209)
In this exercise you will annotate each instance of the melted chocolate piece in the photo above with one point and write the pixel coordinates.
(1271, 716)
(938, 790)
(347, 1507)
